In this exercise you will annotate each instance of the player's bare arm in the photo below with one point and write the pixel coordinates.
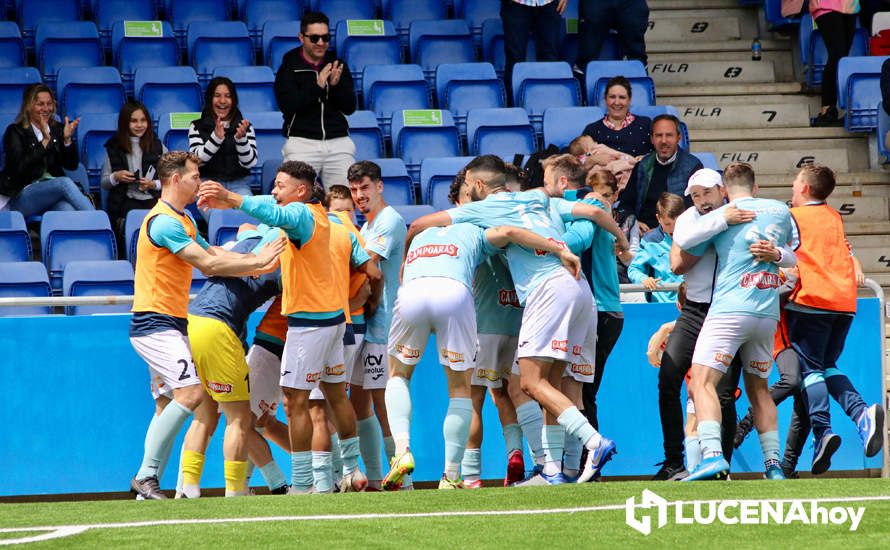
(504, 235)
(218, 262)
(603, 219)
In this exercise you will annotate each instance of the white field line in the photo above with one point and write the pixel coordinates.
(59, 531)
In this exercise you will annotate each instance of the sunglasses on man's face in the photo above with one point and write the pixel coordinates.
(315, 38)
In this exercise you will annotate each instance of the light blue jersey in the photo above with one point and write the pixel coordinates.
(385, 236)
(745, 286)
(453, 252)
(497, 307)
(599, 259)
(653, 259)
(528, 209)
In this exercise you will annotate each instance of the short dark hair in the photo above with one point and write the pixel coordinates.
(670, 206)
(515, 175)
(362, 168)
(454, 189)
(618, 81)
(492, 165)
(820, 178)
(174, 162)
(739, 174)
(568, 166)
(312, 18)
(299, 170)
(338, 192)
(602, 177)
(669, 117)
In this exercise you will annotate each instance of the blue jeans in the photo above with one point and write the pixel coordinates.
(53, 194)
(240, 186)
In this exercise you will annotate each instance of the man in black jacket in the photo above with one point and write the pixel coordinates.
(315, 92)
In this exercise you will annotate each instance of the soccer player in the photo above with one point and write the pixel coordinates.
(436, 297)
(742, 318)
(313, 349)
(558, 311)
(167, 249)
(384, 234)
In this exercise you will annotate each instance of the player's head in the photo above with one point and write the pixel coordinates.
(485, 174)
(515, 178)
(580, 148)
(366, 187)
(667, 210)
(604, 183)
(339, 199)
(705, 187)
(294, 182)
(178, 172)
(665, 136)
(738, 179)
(562, 172)
(681, 296)
(458, 193)
(814, 182)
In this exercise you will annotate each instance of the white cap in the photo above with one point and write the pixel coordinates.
(706, 177)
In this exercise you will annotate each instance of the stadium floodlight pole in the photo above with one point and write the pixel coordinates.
(885, 370)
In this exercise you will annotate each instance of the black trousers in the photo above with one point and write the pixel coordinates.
(608, 329)
(519, 21)
(837, 32)
(675, 363)
(629, 17)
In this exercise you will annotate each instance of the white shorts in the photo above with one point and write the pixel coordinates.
(559, 322)
(348, 363)
(169, 359)
(721, 337)
(265, 375)
(440, 305)
(313, 355)
(494, 360)
(371, 371)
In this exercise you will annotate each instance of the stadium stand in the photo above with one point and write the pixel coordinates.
(267, 176)
(183, 13)
(341, 10)
(411, 212)
(403, 12)
(398, 188)
(538, 86)
(12, 48)
(131, 232)
(98, 278)
(74, 236)
(859, 91)
(813, 54)
(359, 50)
(563, 124)
(257, 13)
(464, 86)
(13, 82)
(435, 42)
(107, 13)
(92, 133)
(431, 135)
(436, 175)
(66, 44)
(168, 90)
(503, 132)
(366, 134)
(174, 139)
(15, 243)
(388, 88)
(599, 72)
(222, 225)
(254, 85)
(98, 90)
(24, 279)
(130, 53)
(279, 37)
(30, 14)
(218, 44)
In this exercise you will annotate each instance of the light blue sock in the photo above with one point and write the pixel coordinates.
(553, 439)
(349, 451)
(322, 475)
(693, 452)
(571, 458)
(336, 457)
(513, 437)
(168, 449)
(769, 444)
(273, 475)
(371, 442)
(709, 439)
(576, 425)
(301, 469)
(159, 437)
(456, 429)
(471, 466)
(398, 406)
(531, 421)
(389, 448)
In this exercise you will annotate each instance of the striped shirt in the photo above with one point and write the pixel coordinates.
(204, 150)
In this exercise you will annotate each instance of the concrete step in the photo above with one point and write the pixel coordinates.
(702, 27)
(867, 228)
(746, 23)
(872, 182)
(852, 209)
(715, 116)
(740, 48)
(667, 71)
(874, 260)
(721, 101)
(747, 90)
(737, 66)
(836, 135)
(768, 160)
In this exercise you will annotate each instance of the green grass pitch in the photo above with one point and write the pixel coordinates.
(487, 518)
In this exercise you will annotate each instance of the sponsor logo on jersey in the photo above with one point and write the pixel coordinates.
(508, 298)
(452, 356)
(373, 360)
(375, 372)
(584, 369)
(560, 244)
(219, 387)
(559, 345)
(762, 366)
(762, 280)
(381, 240)
(336, 370)
(431, 251)
(407, 351)
(313, 377)
(577, 350)
(724, 358)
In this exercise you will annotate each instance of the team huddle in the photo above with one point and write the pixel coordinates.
(499, 279)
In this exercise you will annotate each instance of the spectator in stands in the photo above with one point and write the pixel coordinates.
(315, 92)
(837, 21)
(666, 169)
(596, 155)
(37, 151)
(619, 129)
(651, 264)
(629, 17)
(130, 174)
(523, 17)
(223, 139)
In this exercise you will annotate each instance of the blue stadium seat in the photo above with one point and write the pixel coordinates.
(254, 85)
(492, 38)
(388, 88)
(168, 90)
(12, 48)
(435, 42)
(13, 82)
(32, 13)
(599, 72)
(504, 132)
(563, 124)
(403, 12)
(475, 12)
(222, 225)
(98, 278)
(397, 185)
(256, 13)
(653, 111)
(218, 44)
(813, 54)
(92, 133)
(279, 37)
(73, 236)
(858, 85)
(436, 175)
(269, 140)
(411, 212)
(413, 143)
(773, 11)
(109, 12)
(361, 50)
(130, 53)
(5, 120)
(131, 232)
(15, 243)
(340, 10)
(24, 280)
(708, 160)
(267, 178)
(366, 134)
(80, 177)
(464, 86)
(183, 13)
(175, 139)
(93, 90)
(69, 44)
(540, 85)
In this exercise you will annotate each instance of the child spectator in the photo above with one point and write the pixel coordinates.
(652, 263)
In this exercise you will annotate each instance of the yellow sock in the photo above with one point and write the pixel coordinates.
(236, 474)
(192, 466)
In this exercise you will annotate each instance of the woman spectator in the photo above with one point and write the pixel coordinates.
(224, 140)
(619, 129)
(129, 174)
(38, 150)
(837, 21)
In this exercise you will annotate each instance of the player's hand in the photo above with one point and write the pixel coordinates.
(124, 176)
(735, 216)
(268, 256)
(336, 72)
(643, 227)
(219, 130)
(212, 194)
(323, 76)
(621, 246)
(241, 130)
(650, 283)
(764, 251)
(570, 262)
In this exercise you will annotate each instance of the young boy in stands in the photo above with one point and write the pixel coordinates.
(652, 262)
